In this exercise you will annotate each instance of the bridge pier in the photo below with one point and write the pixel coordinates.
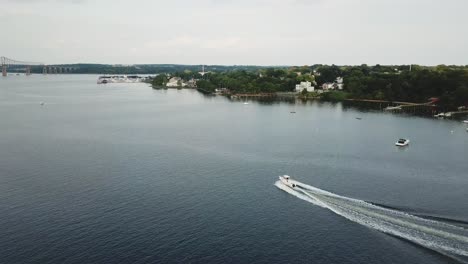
(28, 70)
(44, 70)
(4, 70)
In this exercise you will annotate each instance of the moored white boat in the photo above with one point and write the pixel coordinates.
(286, 180)
(402, 142)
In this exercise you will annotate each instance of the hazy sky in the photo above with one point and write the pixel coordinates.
(260, 32)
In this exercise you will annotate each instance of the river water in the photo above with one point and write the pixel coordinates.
(122, 173)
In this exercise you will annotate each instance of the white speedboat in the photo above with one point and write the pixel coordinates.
(466, 121)
(104, 79)
(286, 180)
(402, 142)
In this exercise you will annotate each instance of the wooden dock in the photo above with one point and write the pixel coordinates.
(255, 95)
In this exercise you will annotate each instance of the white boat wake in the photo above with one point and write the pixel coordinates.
(442, 237)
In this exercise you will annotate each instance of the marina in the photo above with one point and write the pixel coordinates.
(121, 79)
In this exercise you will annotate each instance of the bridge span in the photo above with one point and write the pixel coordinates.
(26, 66)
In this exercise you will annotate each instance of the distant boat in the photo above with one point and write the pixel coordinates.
(293, 112)
(358, 118)
(465, 121)
(402, 142)
(440, 115)
(246, 103)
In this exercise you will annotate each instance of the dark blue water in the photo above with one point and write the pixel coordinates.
(123, 173)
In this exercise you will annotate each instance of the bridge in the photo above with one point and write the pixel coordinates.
(25, 66)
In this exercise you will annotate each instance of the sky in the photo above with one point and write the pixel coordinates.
(237, 32)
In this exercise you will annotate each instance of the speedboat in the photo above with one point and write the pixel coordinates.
(402, 142)
(466, 121)
(286, 180)
(104, 79)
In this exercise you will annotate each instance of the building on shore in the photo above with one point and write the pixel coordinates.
(336, 85)
(176, 82)
(222, 91)
(339, 83)
(328, 86)
(304, 85)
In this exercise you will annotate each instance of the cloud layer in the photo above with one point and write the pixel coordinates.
(287, 32)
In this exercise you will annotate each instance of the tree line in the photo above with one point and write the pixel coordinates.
(383, 82)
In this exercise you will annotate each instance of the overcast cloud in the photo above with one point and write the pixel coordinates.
(260, 32)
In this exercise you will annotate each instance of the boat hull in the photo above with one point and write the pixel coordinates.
(406, 143)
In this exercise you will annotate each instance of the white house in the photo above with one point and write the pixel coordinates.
(328, 86)
(304, 85)
(339, 83)
(176, 82)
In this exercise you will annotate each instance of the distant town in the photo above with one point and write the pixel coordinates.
(444, 86)
(408, 84)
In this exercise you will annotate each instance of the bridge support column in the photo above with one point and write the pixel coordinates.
(28, 70)
(44, 70)
(4, 71)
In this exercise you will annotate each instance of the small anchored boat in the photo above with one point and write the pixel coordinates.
(402, 142)
(286, 180)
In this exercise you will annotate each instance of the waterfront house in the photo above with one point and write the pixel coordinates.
(304, 85)
(176, 82)
(222, 91)
(192, 83)
(328, 86)
(339, 83)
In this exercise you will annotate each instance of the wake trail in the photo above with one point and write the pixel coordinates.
(439, 236)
